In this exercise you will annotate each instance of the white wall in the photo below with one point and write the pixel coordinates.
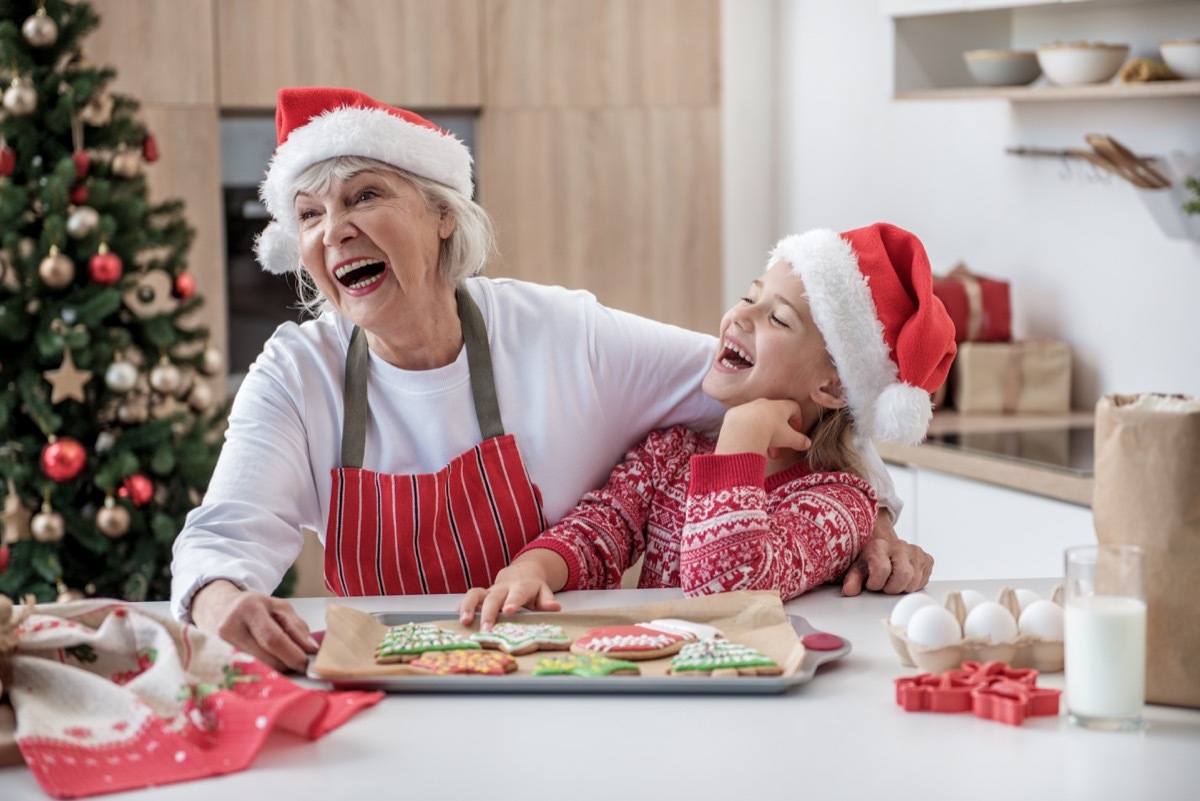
(1088, 263)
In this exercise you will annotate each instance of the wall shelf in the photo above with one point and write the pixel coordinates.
(1047, 92)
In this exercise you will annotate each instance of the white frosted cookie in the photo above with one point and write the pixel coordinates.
(523, 638)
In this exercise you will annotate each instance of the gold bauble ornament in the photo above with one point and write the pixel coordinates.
(121, 376)
(82, 222)
(98, 111)
(113, 520)
(56, 270)
(20, 98)
(211, 361)
(66, 595)
(133, 412)
(126, 164)
(201, 397)
(48, 526)
(8, 273)
(39, 30)
(165, 378)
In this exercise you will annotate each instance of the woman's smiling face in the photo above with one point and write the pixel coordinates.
(365, 238)
(769, 345)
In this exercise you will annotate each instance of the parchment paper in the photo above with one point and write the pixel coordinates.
(756, 619)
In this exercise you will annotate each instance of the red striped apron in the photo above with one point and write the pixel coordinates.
(442, 532)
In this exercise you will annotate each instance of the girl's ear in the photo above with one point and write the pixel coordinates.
(830, 394)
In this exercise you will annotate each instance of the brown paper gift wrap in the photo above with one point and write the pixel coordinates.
(1147, 493)
(1013, 377)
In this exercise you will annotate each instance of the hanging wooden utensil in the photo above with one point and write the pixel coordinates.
(1134, 169)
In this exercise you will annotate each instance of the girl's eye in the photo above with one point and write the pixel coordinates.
(779, 322)
(746, 300)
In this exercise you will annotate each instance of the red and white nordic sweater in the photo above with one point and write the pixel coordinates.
(710, 523)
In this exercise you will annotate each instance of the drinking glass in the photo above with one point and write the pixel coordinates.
(1105, 636)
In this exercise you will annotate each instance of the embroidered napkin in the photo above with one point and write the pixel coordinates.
(109, 697)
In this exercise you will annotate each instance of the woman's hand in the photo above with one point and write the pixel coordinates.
(888, 563)
(530, 581)
(266, 628)
(763, 426)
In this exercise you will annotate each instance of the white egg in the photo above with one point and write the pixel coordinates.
(1026, 597)
(902, 612)
(933, 626)
(971, 598)
(991, 622)
(1042, 619)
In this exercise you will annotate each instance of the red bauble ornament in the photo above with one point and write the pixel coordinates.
(138, 489)
(105, 267)
(8, 161)
(82, 162)
(5, 554)
(79, 195)
(185, 286)
(149, 148)
(63, 459)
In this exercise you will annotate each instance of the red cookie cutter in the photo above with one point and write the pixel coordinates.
(991, 690)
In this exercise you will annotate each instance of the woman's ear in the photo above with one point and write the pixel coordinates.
(830, 394)
(446, 224)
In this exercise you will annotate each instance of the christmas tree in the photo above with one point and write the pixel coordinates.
(109, 429)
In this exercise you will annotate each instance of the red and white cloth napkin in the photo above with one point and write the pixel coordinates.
(109, 697)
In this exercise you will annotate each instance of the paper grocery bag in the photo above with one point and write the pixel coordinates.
(1147, 493)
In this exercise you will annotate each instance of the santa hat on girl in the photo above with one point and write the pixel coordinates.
(870, 291)
(313, 124)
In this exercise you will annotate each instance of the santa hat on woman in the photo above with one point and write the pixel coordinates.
(313, 124)
(870, 291)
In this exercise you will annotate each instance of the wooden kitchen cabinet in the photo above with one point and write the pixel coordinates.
(976, 530)
(422, 54)
(931, 36)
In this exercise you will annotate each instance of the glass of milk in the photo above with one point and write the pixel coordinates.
(1104, 641)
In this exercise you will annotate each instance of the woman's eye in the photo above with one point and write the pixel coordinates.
(366, 194)
(306, 214)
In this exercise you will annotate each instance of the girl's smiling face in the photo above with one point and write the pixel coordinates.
(365, 238)
(771, 348)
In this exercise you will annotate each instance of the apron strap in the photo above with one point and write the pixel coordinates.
(479, 364)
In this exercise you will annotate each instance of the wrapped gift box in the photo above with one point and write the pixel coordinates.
(979, 306)
(1028, 376)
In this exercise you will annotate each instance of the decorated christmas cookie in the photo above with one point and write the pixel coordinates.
(408, 641)
(722, 658)
(523, 638)
(701, 631)
(639, 641)
(488, 663)
(584, 665)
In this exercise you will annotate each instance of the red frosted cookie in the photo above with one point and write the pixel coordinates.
(639, 641)
(488, 663)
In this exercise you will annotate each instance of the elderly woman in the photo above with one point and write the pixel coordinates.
(435, 422)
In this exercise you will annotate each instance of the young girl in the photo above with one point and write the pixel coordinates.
(840, 340)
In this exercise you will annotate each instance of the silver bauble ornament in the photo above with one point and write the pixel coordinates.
(20, 98)
(126, 164)
(165, 378)
(113, 520)
(39, 30)
(67, 595)
(133, 412)
(210, 361)
(82, 222)
(48, 526)
(56, 270)
(98, 111)
(121, 376)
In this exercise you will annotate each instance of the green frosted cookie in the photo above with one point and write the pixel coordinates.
(584, 665)
(406, 642)
(709, 656)
(523, 638)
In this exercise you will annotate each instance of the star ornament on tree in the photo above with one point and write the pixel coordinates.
(68, 380)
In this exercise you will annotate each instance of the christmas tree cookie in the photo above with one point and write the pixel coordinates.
(406, 642)
(722, 658)
(584, 665)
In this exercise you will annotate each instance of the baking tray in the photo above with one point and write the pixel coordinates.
(651, 685)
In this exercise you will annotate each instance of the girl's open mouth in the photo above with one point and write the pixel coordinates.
(733, 357)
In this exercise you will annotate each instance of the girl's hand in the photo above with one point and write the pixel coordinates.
(530, 582)
(763, 426)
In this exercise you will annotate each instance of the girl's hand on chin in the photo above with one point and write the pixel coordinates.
(763, 426)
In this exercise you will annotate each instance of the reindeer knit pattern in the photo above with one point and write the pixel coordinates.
(713, 523)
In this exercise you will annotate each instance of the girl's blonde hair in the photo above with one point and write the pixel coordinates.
(833, 444)
(465, 253)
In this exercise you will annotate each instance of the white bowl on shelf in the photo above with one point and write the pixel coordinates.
(1182, 56)
(1003, 67)
(1073, 63)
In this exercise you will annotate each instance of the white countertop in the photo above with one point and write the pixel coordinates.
(840, 736)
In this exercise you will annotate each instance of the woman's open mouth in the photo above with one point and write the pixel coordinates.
(359, 274)
(733, 357)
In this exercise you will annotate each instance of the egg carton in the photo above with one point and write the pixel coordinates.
(1027, 651)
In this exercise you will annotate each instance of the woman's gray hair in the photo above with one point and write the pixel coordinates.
(466, 252)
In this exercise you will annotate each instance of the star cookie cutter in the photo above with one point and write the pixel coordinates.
(989, 690)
